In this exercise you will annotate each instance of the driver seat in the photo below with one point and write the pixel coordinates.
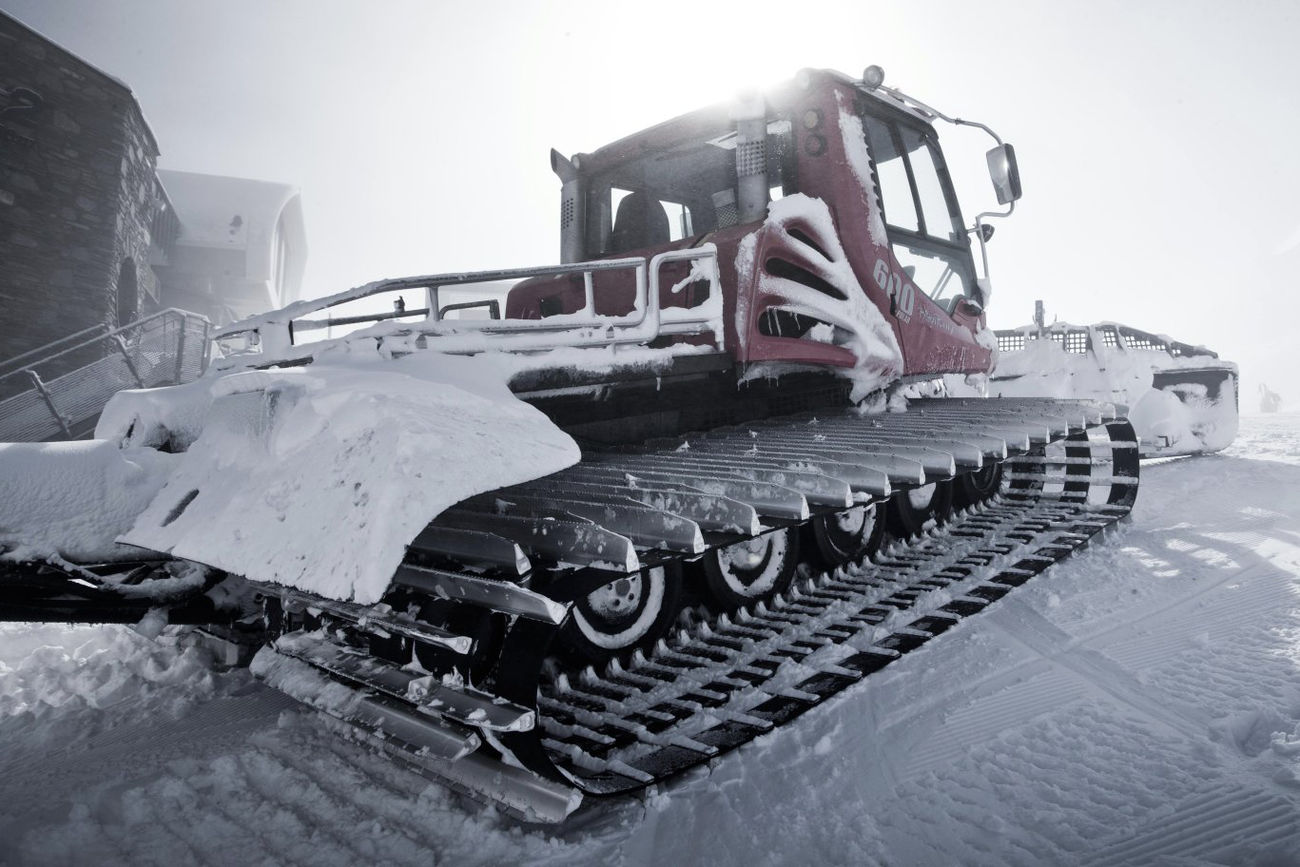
(641, 222)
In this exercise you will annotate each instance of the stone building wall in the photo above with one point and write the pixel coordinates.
(78, 194)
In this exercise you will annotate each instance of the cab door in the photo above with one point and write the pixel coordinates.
(929, 273)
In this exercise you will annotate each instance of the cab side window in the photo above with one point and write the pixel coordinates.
(891, 174)
(921, 218)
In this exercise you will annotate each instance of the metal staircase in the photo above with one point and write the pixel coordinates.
(57, 392)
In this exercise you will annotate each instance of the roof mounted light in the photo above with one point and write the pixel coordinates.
(873, 76)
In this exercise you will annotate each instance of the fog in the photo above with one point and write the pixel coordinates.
(1156, 141)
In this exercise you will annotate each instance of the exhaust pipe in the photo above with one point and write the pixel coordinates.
(751, 159)
(573, 211)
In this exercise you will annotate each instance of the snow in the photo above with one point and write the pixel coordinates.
(858, 153)
(72, 499)
(746, 250)
(319, 477)
(855, 321)
(154, 417)
(316, 477)
(1194, 421)
(67, 686)
(1137, 704)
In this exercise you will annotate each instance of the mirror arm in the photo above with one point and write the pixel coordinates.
(934, 112)
(956, 121)
(978, 231)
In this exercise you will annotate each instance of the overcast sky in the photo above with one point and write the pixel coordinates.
(1158, 141)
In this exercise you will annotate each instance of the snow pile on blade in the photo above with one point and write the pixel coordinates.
(71, 500)
(319, 477)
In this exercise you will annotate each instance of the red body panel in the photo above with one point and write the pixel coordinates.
(932, 340)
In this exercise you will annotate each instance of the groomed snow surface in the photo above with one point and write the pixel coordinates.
(1138, 704)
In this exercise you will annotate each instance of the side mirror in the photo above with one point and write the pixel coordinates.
(1005, 173)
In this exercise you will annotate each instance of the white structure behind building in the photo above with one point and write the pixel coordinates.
(241, 248)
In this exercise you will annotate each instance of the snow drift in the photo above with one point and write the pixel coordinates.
(71, 500)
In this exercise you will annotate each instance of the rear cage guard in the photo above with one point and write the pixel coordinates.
(1079, 339)
(275, 336)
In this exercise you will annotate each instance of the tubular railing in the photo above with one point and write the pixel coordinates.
(1081, 338)
(59, 390)
(277, 336)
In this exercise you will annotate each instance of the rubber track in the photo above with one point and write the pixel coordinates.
(715, 685)
(713, 688)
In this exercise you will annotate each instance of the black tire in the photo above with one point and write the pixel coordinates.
(977, 486)
(751, 571)
(910, 509)
(626, 615)
(846, 537)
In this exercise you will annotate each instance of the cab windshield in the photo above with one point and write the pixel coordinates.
(921, 214)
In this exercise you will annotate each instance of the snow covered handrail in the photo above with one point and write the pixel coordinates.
(272, 336)
(88, 337)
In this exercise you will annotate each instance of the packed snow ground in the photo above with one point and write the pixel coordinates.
(1137, 704)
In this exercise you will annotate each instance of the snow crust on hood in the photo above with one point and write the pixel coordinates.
(71, 500)
(855, 323)
(318, 477)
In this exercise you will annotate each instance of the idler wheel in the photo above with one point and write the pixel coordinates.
(847, 536)
(910, 509)
(628, 614)
(752, 570)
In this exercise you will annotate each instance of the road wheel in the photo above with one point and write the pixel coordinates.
(910, 509)
(628, 614)
(752, 570)
(975, 487)
(847, 536)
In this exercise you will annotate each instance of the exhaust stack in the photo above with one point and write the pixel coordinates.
(751, 160)
(573, 213)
